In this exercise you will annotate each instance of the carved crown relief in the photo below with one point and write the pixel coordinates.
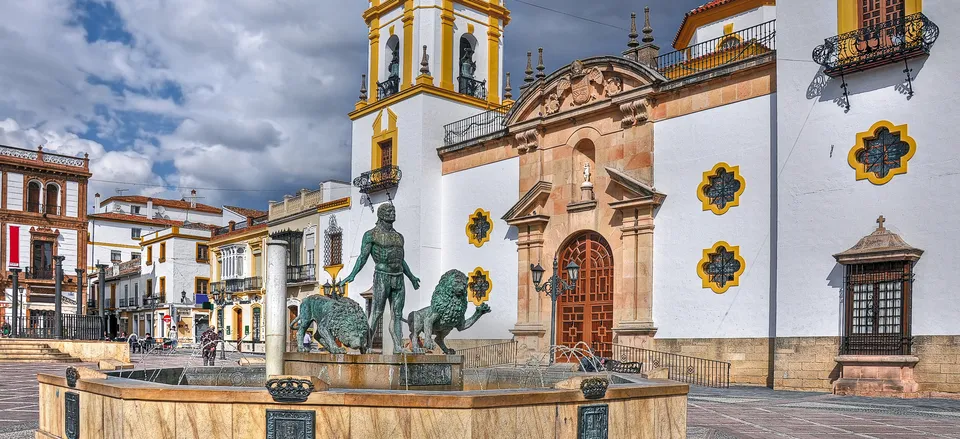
(580, 86)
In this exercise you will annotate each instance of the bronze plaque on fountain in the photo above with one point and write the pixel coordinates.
(71, 425)
(426, 374)
(291, 424)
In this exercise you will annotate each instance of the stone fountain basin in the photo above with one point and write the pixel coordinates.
(129, 408)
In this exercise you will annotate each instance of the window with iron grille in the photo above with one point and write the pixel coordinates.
(256, 323)
(874, 12)
(877, 320)
(333, 244)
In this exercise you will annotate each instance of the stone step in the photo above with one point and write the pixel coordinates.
(24, 346)
(16, 350)
(40, 360)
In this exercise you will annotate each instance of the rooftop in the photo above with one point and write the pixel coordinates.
(249, 213)
(161, 202)
(138, 219)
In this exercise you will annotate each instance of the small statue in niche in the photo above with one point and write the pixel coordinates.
(586, 173)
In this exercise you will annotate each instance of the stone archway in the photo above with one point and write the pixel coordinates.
(586, 313)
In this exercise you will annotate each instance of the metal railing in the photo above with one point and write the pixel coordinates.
(870, 46)
(301, 273)
(41, 273)
(692, 370)
(498, 354)
(377, 180)
(876, 344)
(46, 209)
(472, 87)
(388, 88)
(73, 327)
(489, 123)
(729, 48)
(237, 285)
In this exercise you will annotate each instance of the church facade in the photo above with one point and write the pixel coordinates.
(719, 199)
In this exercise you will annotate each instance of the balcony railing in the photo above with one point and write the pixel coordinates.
(237, 285)
(871, 46)
(490, 123)
(691, 370)
(377, 180)
(301, 273)
(730, 48)
(388, 88)
(876, 344)
(47, 209)
(45, 273)
(472, 87)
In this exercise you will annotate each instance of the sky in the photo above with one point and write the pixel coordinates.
(242, 100)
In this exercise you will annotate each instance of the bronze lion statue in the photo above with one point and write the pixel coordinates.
(447, 311)
(337, 318)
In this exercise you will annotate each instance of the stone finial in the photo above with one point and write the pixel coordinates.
(363, 87)
(529, 72)
(880, 222)
(507, 89)
(540, 67)
(425, 62)
(647, 30)
(633, 31)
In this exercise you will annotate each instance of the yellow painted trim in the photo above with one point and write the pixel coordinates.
(420, 88)
(705, 278)
(329, 206)
(195, 279)
(473, 240)
(470, 28)
(108, 244)
(150, 255)
(728, 38)
(252, 235)
(493, 61)
(735, 170)
(162, 285)
(374, 74)
(333, 270)
(861, 170)
(163, 253)
(446, 45)
(728, 28)
(713, 15)
(487, 7)
(174, 235)
(475, 300)
(848, 13)
(380, 136)
(393, 30)
(202, 261)
(408, 63)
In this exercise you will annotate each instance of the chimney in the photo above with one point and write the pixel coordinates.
(233, 225)
(149, 208)
(249, 221)
(96, 203)
(193, 198)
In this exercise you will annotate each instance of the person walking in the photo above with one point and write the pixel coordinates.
(208, 346)
(307, 341)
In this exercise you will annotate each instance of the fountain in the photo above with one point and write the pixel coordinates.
(355, 393)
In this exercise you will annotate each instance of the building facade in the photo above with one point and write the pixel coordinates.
(43, 216)
(719, 198)
(236, 289)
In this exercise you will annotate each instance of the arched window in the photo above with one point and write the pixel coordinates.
(468, 69)
(392, 84)
(33, 196)
(52, 203)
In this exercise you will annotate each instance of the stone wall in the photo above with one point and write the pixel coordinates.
(806, 363)
(92, 350)
(749, 357)
(939, 367)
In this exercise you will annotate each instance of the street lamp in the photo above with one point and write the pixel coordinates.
(335, 290)
(554, 287)
(220, 299)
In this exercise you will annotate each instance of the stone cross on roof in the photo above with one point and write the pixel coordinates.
(880, 221)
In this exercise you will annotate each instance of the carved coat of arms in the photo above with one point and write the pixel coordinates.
(580, 83)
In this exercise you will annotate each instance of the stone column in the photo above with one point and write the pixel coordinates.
(15, 289)
(275, 303)
(101, 296)
(80, 273)
(58, 296)
(530, 329)
(633, 306)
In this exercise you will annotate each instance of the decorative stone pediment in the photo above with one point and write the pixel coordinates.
(526, 209)
(582, 83)
(637, 192)
(880, 246)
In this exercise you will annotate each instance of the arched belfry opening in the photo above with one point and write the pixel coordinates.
(467, 69)
(391, 85)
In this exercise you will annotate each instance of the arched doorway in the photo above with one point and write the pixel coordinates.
(238, 324)
(586, 313)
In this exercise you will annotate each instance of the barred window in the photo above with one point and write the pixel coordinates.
(877, 320)
(333, 244)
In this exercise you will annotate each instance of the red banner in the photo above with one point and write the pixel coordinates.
(14, 240)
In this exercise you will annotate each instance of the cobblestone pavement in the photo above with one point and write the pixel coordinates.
(758, 412)
(739, 412)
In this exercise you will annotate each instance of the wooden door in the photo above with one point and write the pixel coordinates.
(586, 313)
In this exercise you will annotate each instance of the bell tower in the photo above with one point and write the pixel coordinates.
(431, 63)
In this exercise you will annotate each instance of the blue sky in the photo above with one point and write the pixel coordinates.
(244, 100)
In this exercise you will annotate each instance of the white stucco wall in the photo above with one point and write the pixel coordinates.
(740, 22)
(107, 236)
(824, 210)
(686, 147)
(73, 199)
(15, 191)
(463, 193)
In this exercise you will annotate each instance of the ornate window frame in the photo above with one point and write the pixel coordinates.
(481, 275)
(705, 277)
(472, 236)
(848, 13)
(381, 136)
(861, 169)
(332, 230)
(707, 181)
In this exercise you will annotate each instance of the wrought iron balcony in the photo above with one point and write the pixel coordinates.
(892, 41)
(237, 285)
(388, 88)
(45, 273)
(730, 48)
(377, 180)
(876, 344)
(491, 123)
(301, 273)
(472, 87)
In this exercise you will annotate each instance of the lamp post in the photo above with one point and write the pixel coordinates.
(58, 296)
(220, 299)
(554, 287)
(335, 290)
(80, 273)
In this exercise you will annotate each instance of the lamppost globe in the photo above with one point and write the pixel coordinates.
(537, 273)
(573, 271)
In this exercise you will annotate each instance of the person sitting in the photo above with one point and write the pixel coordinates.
(148, 342)
(134, 342)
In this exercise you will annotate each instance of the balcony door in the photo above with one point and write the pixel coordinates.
(42, 266)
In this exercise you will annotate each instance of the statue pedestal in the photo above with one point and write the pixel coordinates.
(382, 372)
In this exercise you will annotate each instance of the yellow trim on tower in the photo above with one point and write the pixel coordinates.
(707, 205)
(329, 206)
(705, 278)
(446, 45)
(374, 75)
(380, 136)
(486, 296)
(862, 138)
(728, 28)
(848, 13)
(693, 22)
(488, 7)
(408, 63)
(423, 87)
(473, 239)
(493, 61)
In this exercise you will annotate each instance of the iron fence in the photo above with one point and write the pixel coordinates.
(472, 87)
(489, 123)
(887, 42)
(876, 344)
(301, 273)
(41, 273)
(388, 88)
(237, 285)
(691, 370)
(498, 354)
(73, 327)
(733, 47)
